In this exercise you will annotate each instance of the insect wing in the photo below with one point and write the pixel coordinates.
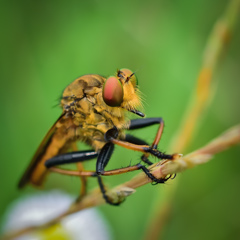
(34, 164)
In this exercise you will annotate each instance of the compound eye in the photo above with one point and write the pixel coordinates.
(130, 76)
(113, 92)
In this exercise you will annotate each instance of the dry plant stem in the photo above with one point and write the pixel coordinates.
(200, 156)
(216, 45)
(204, 154)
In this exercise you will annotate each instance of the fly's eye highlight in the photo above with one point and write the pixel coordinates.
(129, 76)
(113, 92)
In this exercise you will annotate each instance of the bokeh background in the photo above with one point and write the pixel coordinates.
(47, 44)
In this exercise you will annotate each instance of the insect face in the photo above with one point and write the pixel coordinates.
(128, 75)
(121, 90)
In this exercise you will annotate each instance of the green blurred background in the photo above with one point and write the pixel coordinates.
(47, 44)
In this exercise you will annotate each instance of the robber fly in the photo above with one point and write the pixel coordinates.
(94, 112)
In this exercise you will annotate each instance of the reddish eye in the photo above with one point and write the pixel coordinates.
(113, 92)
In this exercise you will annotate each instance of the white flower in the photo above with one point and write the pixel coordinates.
(34, 210)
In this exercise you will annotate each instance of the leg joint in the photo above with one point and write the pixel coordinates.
(98, 173)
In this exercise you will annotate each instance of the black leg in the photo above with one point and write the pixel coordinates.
(102, 188)
(135, 140)
(104, 157)
(102, 161)
(155, 180)
(72, 157)
(145, 122)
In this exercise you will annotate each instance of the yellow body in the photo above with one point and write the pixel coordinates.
(85, 118)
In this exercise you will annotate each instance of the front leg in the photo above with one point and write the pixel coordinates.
(142, 123)
(111, 136)
(143, 149)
